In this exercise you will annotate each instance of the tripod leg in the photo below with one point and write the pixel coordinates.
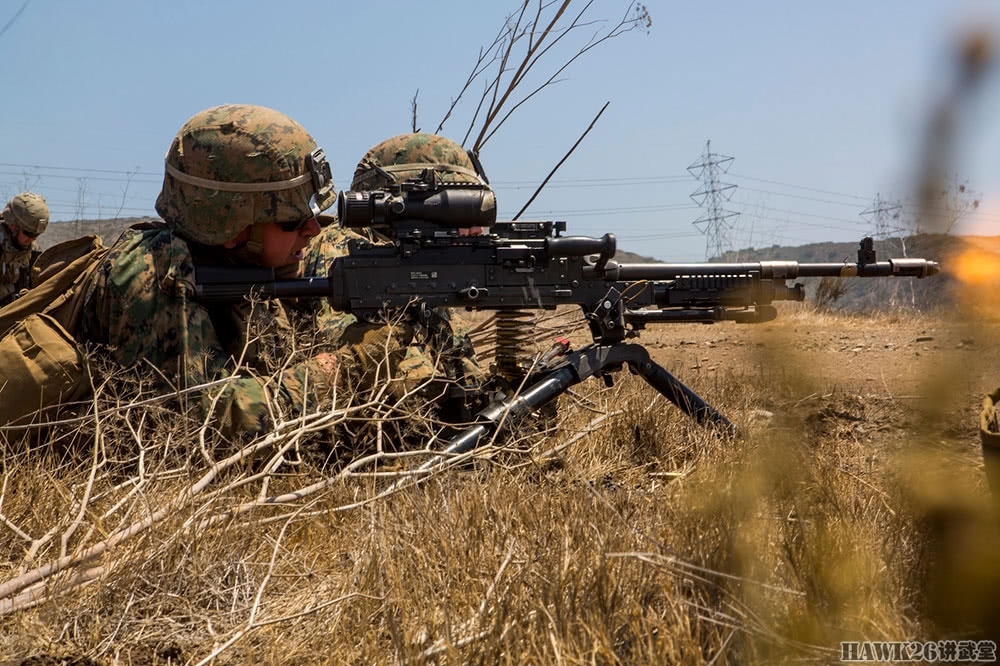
(676, 392)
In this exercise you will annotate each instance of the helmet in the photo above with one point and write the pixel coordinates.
(28, 211)
(236, 165)
(405, 156)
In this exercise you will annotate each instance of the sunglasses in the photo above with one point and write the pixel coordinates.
(294, 225)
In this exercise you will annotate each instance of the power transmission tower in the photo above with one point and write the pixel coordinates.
(716, 220)
(884, 217)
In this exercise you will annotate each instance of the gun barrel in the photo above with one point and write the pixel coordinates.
(232, 284)
(778, 270)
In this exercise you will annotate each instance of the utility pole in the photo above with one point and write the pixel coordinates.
(716, 220)
(884, 217)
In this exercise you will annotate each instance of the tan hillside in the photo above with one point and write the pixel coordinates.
(108, 230)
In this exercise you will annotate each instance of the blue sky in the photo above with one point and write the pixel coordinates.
(822, 105)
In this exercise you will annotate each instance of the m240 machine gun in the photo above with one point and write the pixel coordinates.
(448, 250)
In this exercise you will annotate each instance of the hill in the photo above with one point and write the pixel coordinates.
(108, 230)
(623, 257)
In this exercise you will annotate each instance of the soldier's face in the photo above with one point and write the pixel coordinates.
(281, 247)
(21, 238)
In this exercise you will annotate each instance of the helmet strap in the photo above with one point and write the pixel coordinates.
(255, 245)
(252, 250)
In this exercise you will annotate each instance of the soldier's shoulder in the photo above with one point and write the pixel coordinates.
(150, 257)
(6, 242)
(336, 236)
(329, 244)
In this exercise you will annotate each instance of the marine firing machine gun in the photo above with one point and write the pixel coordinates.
(448, 250)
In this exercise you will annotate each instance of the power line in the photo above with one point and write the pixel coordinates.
(569, 186)
(108, 175)
(679, 234)
(605, 211)
(801, 196)
(52, 188)
(511, 184)
(798, 187)
(52, 175)
(584, 181)
(133, 172)
(790, 224)
(842, 220)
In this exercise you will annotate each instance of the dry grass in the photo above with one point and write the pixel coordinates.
(135, 536)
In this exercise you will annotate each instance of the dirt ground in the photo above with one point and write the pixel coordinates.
(895, 350)
(904, 358)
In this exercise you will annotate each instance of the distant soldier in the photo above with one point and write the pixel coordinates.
(23, 220)
(441, 347)
(243, 186)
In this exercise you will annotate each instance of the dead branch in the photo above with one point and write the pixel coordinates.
(501, 95)
(491, 53)
(523, 67)
(413, 112)
(85, 500)
(623, 26)
(560, 163)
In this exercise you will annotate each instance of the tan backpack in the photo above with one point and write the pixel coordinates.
(41, 363)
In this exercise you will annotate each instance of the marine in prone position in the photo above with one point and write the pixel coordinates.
(243, 186)
(440, 355)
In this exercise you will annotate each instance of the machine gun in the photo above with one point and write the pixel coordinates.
(448, 250)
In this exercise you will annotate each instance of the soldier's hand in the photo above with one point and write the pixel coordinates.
(327, 362)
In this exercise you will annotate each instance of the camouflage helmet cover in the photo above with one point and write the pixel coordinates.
(236, 165)
(406, 155)
(27, 211)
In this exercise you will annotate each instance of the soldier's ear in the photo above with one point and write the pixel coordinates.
(240, 239)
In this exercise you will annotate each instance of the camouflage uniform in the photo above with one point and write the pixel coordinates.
(29, 212)
(229, 168)
(446, 335)
(143, 309)
(441, 346)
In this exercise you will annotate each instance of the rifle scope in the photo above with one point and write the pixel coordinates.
(452, 207)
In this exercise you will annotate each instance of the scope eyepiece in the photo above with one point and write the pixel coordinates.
(451, 207)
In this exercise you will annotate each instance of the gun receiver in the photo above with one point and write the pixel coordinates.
(434, 261)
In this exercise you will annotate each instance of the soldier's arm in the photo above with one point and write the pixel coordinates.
(248, 404)
(143, 311)
(344, 328)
